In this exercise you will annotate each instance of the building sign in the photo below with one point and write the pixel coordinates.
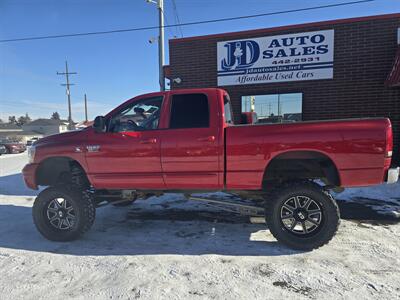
(289, 57)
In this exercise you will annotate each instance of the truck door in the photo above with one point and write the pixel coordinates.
(127, 155)
(190, 145)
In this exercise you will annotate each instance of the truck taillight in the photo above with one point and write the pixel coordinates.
(389, 141)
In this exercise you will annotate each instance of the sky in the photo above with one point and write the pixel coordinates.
(113, 68)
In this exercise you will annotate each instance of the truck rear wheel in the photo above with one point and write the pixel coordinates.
(63, 213)
(302, 216)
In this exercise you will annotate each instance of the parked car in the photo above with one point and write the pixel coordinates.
(13, 146)
(3, 149)
(186, 141)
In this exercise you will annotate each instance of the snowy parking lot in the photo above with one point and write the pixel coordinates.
(168, 248)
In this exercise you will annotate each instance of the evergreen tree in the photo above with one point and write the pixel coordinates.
(55, 116)
(12, 120)
(23, 120)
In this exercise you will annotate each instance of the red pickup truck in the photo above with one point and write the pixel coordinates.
(186, 141)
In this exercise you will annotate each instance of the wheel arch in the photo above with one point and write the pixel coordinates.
(302, 164)
(53, 170)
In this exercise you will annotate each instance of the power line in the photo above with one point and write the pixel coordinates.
(178, 21)
(182, 24)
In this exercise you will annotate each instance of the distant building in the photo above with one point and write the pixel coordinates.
(14, 132)
(292, 117)
(10, 127)
(46, 126)
(35, 129)
(83, 124)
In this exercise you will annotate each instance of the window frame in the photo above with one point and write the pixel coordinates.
(171, 99)
(228, 100)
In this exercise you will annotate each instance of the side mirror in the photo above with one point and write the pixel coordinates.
(99, 124)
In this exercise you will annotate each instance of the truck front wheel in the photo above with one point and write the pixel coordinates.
(63, 213)
(302, 216)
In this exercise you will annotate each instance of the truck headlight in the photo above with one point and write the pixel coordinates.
(31, 153)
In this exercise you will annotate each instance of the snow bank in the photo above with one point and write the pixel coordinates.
(167, 248)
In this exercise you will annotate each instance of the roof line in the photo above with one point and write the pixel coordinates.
(286, 27)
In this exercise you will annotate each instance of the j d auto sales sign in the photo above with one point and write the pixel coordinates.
(289, 57)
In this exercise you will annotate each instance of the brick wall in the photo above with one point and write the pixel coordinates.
(363, 57)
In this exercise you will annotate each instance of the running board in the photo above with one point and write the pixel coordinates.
(243, 209)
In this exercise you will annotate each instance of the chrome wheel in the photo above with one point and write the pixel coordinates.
(60, 214)
(301, 215)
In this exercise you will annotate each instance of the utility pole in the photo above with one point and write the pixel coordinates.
(252, 103)
(67, 85)
(86, 117)
(160, 6)
(279, 104)
(161, 44)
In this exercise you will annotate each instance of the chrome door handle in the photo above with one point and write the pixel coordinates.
(148, 141)
(210, 138)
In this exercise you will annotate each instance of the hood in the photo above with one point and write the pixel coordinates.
(60, 137)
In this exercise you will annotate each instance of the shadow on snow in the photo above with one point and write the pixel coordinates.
(14, 185)
(168, 231)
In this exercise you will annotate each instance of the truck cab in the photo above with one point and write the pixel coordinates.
(176, 142)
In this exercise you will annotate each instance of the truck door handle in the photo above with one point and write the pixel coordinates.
(148, 141)
(210, 138)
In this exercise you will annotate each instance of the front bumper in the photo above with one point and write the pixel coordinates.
(392, 175)
(29, 172)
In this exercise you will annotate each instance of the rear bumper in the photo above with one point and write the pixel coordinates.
(392, 175)
(29, 172)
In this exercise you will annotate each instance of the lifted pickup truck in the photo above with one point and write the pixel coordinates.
(185, 141)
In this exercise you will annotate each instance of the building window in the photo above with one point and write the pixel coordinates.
(275, 108)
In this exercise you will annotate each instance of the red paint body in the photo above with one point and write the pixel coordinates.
(222, 156)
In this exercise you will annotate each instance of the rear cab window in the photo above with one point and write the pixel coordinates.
(189, 111)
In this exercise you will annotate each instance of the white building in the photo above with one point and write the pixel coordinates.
(46, 126)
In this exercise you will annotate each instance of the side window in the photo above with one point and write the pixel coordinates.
(138, 116)
(228, 110)
(189, 111)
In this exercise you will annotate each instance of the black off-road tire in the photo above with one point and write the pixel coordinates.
(82, 204)
(329, 223)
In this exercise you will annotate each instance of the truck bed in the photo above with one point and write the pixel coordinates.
(355, 146)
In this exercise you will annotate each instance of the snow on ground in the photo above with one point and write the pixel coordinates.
(167, 248)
